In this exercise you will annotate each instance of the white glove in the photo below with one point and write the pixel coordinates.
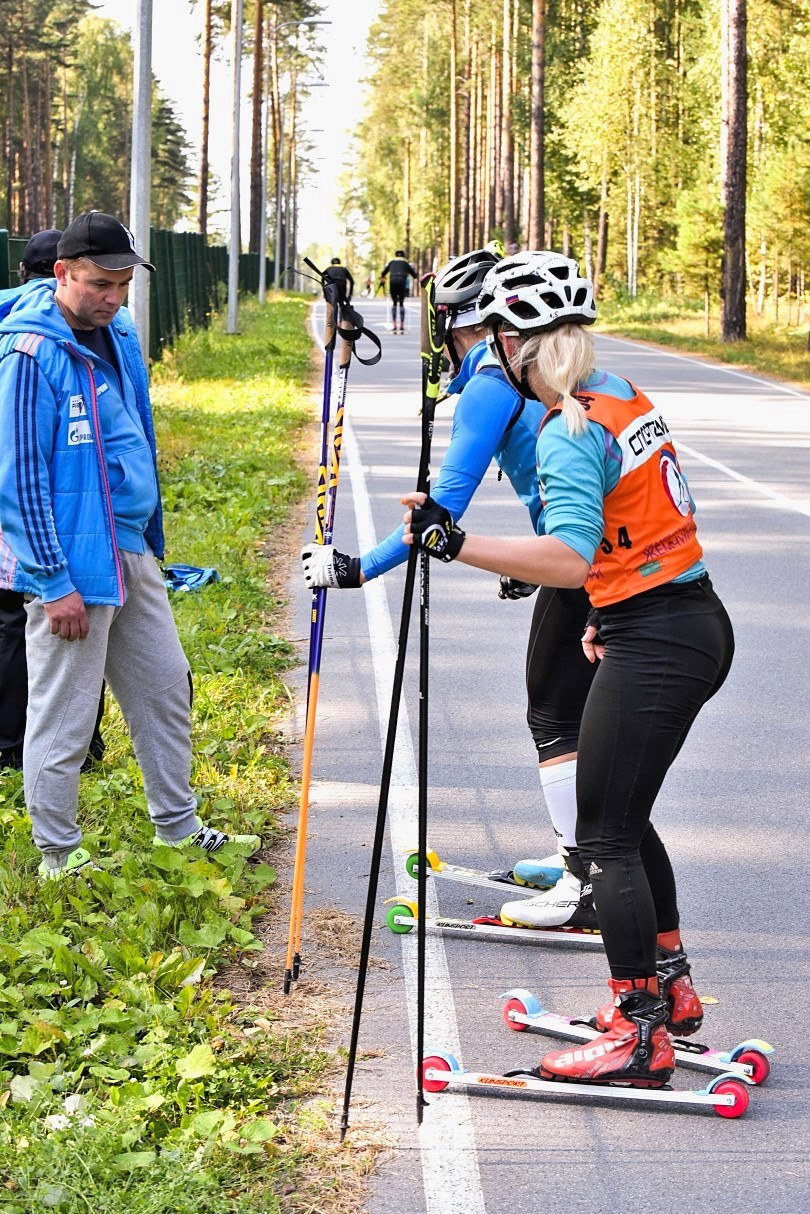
(325, 567)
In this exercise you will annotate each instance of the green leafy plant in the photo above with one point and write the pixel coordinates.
(129, 1081)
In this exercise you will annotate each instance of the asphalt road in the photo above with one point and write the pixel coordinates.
(733, 814)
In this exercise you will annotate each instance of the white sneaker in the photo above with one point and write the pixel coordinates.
(568, 904)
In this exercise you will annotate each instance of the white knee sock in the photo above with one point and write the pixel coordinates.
(559, 788)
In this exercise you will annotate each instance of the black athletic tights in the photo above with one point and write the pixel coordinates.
(667, 652)
(558, 675)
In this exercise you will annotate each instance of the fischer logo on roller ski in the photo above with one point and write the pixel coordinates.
(749, 1060)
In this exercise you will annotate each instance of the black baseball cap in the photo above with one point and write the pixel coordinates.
(104, 240)
(40, 252)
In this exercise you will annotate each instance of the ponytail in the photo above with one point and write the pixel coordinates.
(563, 358)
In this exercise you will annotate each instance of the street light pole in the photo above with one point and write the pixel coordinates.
(235, 245)
(141, 185)
(265, 160)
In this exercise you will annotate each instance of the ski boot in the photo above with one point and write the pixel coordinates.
(685, 1009)
(569, 903)
(635, 1050)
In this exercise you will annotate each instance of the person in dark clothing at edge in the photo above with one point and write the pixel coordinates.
(36, 264)
(398, 270)
(342, 278)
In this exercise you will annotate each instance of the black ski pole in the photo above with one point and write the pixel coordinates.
(432, 350)
(385, 779)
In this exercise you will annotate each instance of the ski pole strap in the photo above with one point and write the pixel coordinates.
(352, 329)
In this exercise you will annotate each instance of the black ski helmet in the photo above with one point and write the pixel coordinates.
(458, 285)
(460, 281)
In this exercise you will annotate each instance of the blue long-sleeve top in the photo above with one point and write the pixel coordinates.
(491, 421)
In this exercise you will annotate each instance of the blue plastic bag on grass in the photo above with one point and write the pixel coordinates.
(188, 577)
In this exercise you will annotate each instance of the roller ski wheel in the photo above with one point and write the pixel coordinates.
(511, 1007)
(412, 864)
(445, 1063)
(759, 1064)
(730, 1087)
(401, 916)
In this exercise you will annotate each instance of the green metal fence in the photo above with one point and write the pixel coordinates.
(190, 283)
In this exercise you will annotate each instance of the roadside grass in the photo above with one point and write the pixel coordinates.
(129, 1080)
(778, 351)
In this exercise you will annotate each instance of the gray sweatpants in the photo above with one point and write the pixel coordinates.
(137, 649)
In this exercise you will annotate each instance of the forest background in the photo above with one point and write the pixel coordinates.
(592, 126)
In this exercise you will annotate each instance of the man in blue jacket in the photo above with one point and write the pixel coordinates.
(36, 263)
(81, 527)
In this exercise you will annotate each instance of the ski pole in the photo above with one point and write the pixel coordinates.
(315, 640)
(350, 328)
(316, 631)
(432, 349)
(385, 783)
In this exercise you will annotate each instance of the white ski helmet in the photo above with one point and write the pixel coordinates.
(536, 291)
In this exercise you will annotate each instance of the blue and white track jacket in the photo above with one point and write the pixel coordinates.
(57, 529)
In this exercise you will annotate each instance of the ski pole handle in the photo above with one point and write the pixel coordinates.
(330, 323)
(428, 304)
(433, 327)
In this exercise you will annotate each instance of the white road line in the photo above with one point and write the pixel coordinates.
(779, 498)
(450, 1171)
(698, 362)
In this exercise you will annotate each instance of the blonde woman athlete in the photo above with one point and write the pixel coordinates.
(619, 520)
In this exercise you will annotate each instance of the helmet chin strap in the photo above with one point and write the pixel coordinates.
(521, 385)
(450, 345)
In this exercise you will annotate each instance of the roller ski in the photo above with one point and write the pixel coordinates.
(727, 1094)
(633, 1060)
(749, 1060)
(402, 917)
(528, 876)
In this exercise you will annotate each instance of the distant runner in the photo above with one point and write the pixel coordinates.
(398, 270)
(338, 274)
